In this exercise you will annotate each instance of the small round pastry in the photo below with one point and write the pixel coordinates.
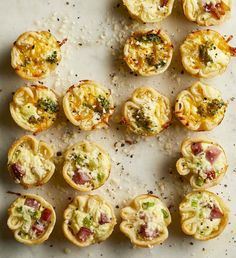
(200, 107)
(89, 219)
(207, 13)
(147, 113)
(204, 162)
(31, 218)
(34, 108)
(204, 215)
(148, 52)
(149, 11)
(30, 162)
(205, 53)
(88, 105)
(145, 221)
(87, 166)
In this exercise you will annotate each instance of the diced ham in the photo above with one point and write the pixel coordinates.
(17, 170)
(212, 154)
(103, 219)
(81, 178)
(38, 227)
(216, 10)
(145, 232)
(211, 174)
(196, 148)
(46, 214)
(32, 203)
(84, 234)
(216, 213)
(164, 3)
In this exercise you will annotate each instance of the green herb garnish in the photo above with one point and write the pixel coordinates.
(165, 213)
(100, 177)
(211, 108)
(194, 203)
(104, 103)
(52, 59)
(19, 209)
(150, 38)
(204, 54)
(147, 205)
(48, 105)
(199, 181)
(87, 222)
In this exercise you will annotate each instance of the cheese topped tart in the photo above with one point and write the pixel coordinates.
(145, 221)
(204, 161)
(89, 219)
(207, 13)
(87, 166)
(149, 10)
(147, 113)
(88, 105)
(206, 53)
(204, 215)
(31, 218)
(148, 52)
(34, 108)
(35, 54)
(30, 162)
(200, 107)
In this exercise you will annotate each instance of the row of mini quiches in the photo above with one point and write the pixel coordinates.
(204, 13)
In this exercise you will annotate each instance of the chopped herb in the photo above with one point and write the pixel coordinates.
(194, 203)
(204, 54)
(141, 120)
(103, 103)
(100, 177)
(214, 106)
(52, 59)
(35, 214)
(165, 213)
(48, 105)
(199, 181)
(87, 222)
(147, 205)
(79, 160)
(160, 64)
(33, 120)
(19, 209)
(150, 38)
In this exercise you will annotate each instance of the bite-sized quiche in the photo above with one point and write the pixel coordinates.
(147, 113)
(87, 166)
(145, 221)
(30, 162)
(88, 105)
(204, 215)
(204, 162)
(34, 108)
(149, 10)
(89, 219)
(148, 52)
(200, 107)
(31, 218)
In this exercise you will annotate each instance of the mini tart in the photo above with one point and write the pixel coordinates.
(89, 219)
(206, 53)
(88, 105)
(148, 52)
(147, 113)
(207, 13)
(34, 108)
(204, 162)
(30, 162)
(35, 55)
(145, 221)
(149, 11)
(31, 218)
(87, 166)
(204, 215)
(200, 107)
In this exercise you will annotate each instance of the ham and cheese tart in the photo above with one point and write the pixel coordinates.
(206, 53)
(31, 218)
(34, 108)
(148, 52)
(147, 113)
(145, 221)
(200, 107)
(204, 215)
(149, 11)
(88, 105)
(30, 162)
(89, 219)
(87, 166)
(207, 13)
(35, 55)
(203, 161)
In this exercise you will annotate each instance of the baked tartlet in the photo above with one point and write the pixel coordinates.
(88, 105)
(34, 108)
(204, 215)
(148, 52)
(145, 221)
(89, 219)
(31, 218)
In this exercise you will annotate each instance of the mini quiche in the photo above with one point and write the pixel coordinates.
(31, 218)
(35, 54)
(200, 107)
(148, 52)
(30, 162)
(89, 219)
(147, 113)
(205, 53)
(149, 10)
(145, 221)
(34, 108)
(87, 166)
(88, 105)
(204, 161)
(207, 13)
(204, 215)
